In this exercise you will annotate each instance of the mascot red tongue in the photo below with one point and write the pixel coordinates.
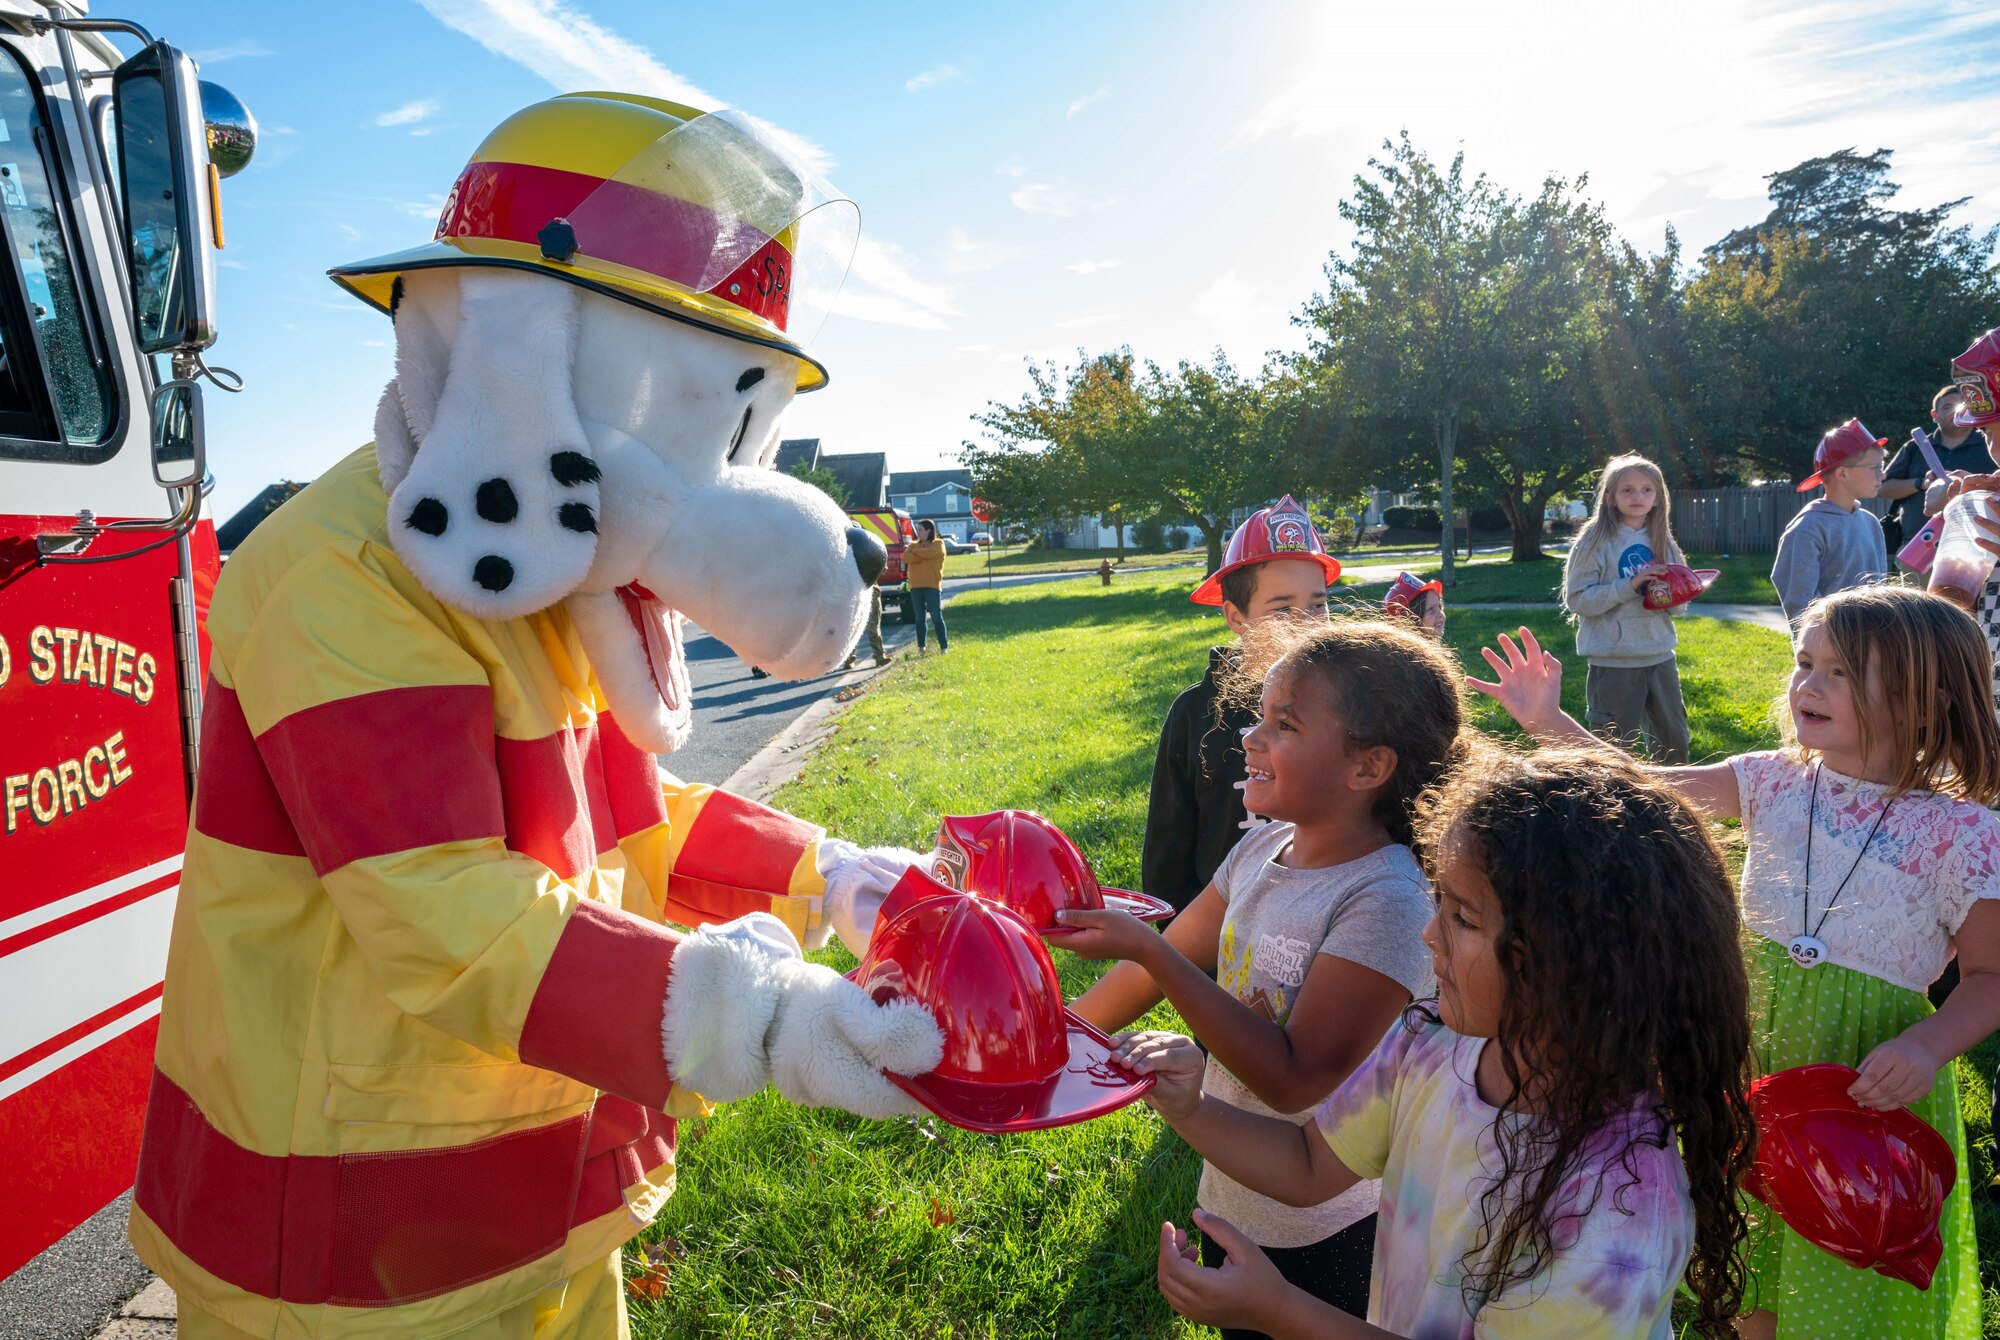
(426, 1029)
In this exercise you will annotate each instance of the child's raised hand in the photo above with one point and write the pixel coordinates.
(1175, 1063)
(1527, 680)
(1106, 933)
(1246, 1292)
(1895, 1074)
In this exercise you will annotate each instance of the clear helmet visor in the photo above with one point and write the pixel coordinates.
(718, 207)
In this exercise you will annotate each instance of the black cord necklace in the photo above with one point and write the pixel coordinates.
(1808, 950)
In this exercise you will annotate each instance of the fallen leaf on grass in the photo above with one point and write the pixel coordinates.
(648, 1282)
(877, 1212)
(941, 1214)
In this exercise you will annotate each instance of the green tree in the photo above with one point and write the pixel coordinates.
(1209, 442)
(1409, 315)
(824, 480)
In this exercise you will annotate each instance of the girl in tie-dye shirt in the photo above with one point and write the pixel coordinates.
(1561, 1133)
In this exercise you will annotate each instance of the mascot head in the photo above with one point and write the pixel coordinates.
(592, 357)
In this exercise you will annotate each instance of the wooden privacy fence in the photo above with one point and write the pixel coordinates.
(1740, 520)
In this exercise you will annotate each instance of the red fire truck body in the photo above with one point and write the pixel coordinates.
(105, 574)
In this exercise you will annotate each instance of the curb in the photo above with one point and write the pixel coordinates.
(785, 754)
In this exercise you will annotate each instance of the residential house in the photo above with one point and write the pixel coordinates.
(940, 496)
(863, 475)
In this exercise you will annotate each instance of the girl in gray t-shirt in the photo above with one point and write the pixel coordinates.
(1313, 925)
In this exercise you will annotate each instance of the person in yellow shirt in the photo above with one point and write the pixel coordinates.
(924, 561)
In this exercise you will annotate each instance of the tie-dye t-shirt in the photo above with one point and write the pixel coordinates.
(1277, 921)
(1412, 1116)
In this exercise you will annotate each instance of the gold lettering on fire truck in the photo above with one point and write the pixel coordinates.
(50, 793)
(79, 656)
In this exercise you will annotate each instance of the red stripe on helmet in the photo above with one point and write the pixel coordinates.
(624, 224)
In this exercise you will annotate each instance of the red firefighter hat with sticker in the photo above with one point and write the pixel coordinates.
(1866, 1186)
(1014, 1058)
(1677, 585)
(1977, 375)
(1405, 595)
(1837, 448)
(1282, 530)
(1022, 861)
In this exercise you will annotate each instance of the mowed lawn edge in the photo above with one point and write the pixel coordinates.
(790, 1221)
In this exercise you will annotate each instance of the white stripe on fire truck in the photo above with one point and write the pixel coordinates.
(111, 888)
(66, 979)
(89, 1042)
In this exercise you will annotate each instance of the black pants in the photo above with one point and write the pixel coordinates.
(1334, 1270)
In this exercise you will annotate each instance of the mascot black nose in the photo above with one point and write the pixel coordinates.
(869, 555)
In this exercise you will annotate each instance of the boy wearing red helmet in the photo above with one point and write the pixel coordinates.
(1835, 542)
(1275, 564)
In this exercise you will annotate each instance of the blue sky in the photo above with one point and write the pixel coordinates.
(1038, 177)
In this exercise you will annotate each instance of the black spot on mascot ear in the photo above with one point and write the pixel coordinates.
(493, 572)
(495, 501)
(578, 517)
(395, 296)
(429, 516)
(572, 468)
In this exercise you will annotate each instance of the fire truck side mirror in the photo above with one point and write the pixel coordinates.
(180, 459)
(164, 177)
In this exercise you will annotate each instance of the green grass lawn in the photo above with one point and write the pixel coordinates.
(1745, 580)
(1011, 560)
(789, 1222)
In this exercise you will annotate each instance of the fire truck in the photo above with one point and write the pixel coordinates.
(110, 214)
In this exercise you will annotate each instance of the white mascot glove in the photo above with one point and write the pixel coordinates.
(744, 1009)
(857, 880)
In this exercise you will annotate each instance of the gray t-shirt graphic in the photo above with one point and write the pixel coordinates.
(1277, 921)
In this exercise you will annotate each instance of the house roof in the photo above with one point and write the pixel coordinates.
(863, 476)
(926, 481)
(237, 529)
(794, 452)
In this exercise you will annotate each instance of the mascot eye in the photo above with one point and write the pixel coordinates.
(744, 427)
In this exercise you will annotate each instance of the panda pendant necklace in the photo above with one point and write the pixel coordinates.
(1807, 949)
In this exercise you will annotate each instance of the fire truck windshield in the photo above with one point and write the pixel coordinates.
(54, 388)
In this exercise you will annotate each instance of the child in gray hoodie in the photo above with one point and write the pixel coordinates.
(1633, 681)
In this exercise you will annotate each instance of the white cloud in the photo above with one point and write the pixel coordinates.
(410, 113)
(931, 78)
(1086, 100)
(1226, 300)
(274, 145)
(966, 255)
(1041, 197)
(428, 208)
(1089, 267)
(1086, 320)
(242, 49)
(883, 287)
(570, 50)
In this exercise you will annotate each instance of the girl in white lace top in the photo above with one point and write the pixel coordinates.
(1874, 855)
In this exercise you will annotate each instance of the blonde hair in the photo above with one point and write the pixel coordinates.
(1605, 521)
(1936, 674)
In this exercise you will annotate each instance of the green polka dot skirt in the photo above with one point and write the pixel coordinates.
(1836, 1015)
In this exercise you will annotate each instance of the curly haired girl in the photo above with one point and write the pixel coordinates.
(1561, 1133)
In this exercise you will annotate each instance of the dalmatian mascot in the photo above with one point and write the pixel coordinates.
(425, 1031)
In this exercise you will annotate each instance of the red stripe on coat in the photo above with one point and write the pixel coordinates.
(553, 793)
(631, 780)
(596, 1012)
(234, 798)
(378, 1230)
(701, 902)
(739, 843)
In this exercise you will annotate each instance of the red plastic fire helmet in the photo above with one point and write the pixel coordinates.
(1014, 1058)
(1020, 860)
(1867, 1186)
(1836, 448)
(1282, 530)
(1977, 372)
(1406, 593)
(1678, 585)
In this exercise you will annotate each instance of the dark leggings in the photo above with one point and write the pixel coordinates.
(1334, 1270)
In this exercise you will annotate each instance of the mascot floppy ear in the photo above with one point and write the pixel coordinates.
(492, 487)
